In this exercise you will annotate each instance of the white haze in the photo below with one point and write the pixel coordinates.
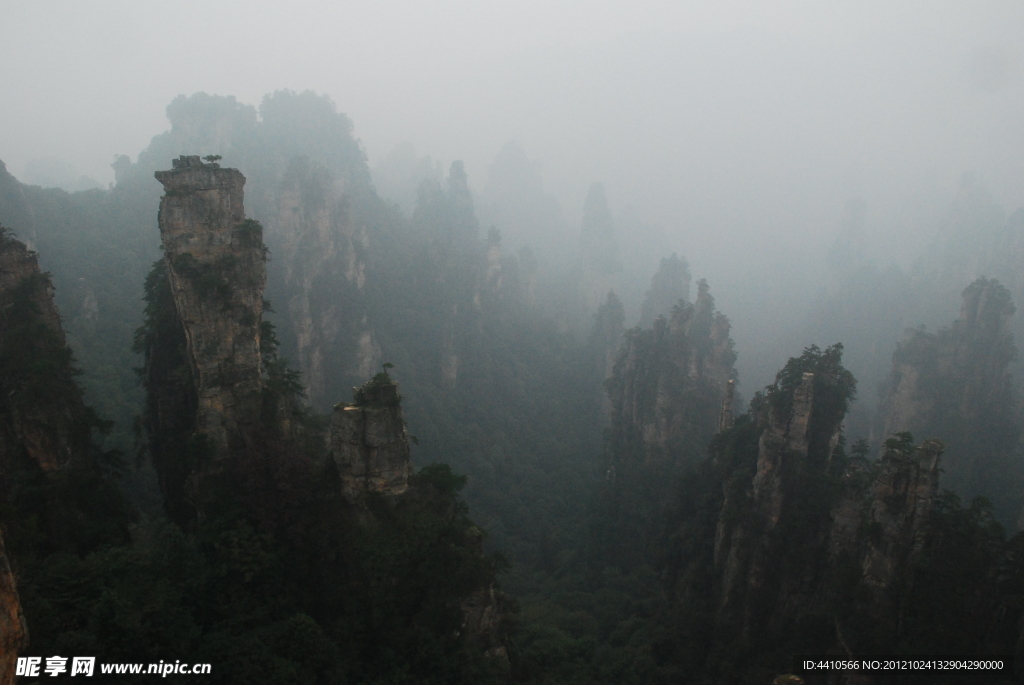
(738, 130)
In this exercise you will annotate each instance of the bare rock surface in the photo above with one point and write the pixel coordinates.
(669, 384)
(41, 426)
(901, 504)
(369, 442)
(216, 264)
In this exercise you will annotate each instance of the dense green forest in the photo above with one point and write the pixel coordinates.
(589, 500)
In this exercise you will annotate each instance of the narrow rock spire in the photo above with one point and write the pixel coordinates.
(216, 264)
(369, 442)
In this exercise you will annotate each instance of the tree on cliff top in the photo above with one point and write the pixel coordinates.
(834, 386)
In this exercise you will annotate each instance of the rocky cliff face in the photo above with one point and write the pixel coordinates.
(215, 263)
(47, 457)
(807, 531)
(19, 271)
(369, 443)
(747, 549)
(204, 359)
(902, 496)
(319, 248)
(484, 613)
(956, 384)
(43, 423)
(666, 391)
(786, 439)
(15, 211)
(370, 448)
(668, 386)
(343, 273)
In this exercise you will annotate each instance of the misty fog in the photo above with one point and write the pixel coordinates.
(680, 337)
(730, 133)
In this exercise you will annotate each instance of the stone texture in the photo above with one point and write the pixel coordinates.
(483, 619)
(217, 271)
(746, 551)
(48, 424)
(369, 443)
(879, 521)
(782, 440)
(849, 512)
(666, 392)
(17, 264)
(318, 247)
(898, 517)
(906, 407)
(43, 430)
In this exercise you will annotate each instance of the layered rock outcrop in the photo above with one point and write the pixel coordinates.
(216, 265)
(369, 442)
(788, 542)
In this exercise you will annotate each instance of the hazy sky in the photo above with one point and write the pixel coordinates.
(739, 128)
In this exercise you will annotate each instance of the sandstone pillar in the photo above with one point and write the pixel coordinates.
(369, 441)
(216, 264)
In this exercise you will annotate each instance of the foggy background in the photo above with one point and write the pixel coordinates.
(732, 133)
